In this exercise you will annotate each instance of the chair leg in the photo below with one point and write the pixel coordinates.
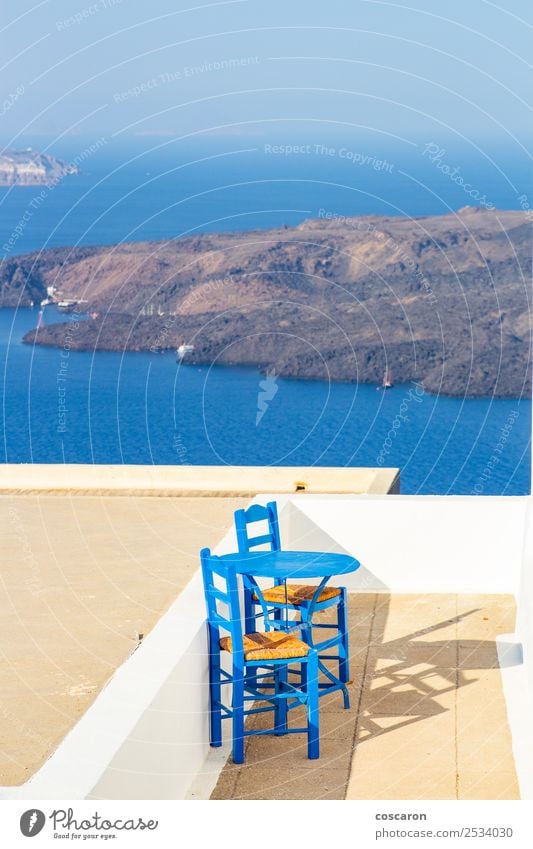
(305, 624)
(280, 712)
(249, 610)
(237, 707)
(250, 625)
(344, 647)
(313, 738)
(303, 681)
(279, 613)
(215, 692)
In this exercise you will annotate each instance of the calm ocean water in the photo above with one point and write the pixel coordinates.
(130, 192)
(141, 408)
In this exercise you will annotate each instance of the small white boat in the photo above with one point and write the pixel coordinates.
(67, 305)
(183, 350)
(387, 379)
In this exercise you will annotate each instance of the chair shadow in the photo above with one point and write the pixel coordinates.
(407, 679)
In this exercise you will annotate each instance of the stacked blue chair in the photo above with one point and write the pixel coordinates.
(273, 652)
(273, 603)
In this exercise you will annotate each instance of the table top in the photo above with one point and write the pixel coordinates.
(292, 564)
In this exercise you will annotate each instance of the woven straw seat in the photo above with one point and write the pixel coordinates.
(274, 645)
(296, 593)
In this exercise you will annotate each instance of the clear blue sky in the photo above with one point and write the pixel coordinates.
(251, 67)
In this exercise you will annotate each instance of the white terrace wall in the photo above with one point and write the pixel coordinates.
(524, 626)
(410, 544)
(516, 663)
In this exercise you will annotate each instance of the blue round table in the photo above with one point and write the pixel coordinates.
(296, 565)
(285, 565)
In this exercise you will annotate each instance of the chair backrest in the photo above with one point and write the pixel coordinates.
(257, 513)
(221, 591)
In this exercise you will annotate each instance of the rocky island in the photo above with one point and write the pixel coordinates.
(442, 300)
(29, 168)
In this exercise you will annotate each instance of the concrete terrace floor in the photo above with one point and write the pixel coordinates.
(428, 718)
(82, 578)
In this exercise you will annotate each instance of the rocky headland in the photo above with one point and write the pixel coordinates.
(443, 300)
(30, 168)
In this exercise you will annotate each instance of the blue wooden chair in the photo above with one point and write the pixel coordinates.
(275, 602)
(272, 652)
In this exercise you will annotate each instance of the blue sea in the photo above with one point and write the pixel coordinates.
(142, 408)
(63, 406)
(162, 189)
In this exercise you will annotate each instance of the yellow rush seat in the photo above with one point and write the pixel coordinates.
(296, 593)
(272, 645)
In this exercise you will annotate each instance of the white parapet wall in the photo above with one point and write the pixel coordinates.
(525, 598)
(516, 662)
(146, 735)
(29, 478)
(410, 544)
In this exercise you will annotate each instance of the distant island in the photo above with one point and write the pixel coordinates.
(29, 168)
(442, 300)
